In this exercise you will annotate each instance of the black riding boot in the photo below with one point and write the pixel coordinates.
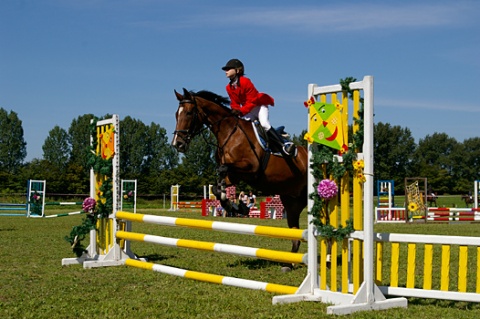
(288, 147)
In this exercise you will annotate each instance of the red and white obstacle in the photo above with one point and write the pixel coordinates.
(433, 214)
(271, 208)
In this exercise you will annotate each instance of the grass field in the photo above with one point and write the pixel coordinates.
(33, 284)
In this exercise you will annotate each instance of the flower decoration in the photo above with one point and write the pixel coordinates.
(88, 205)
(308, 138)
(309, 102)
(413, 207)
(361, 177)
(327, 189)
(343, 149)
(358, 166)
(36, 203)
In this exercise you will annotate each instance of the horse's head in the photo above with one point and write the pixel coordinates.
(188, 122)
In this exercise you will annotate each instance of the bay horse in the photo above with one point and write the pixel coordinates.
(468, 200)
(239, 154)
(432, 199)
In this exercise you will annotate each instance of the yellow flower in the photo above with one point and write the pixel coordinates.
(412, 207)
(308, 137)
(361, 178)
(359, 164)
(338, 106)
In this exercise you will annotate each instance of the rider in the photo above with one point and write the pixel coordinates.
(249, 103)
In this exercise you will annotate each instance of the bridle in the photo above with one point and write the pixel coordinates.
(189, 133)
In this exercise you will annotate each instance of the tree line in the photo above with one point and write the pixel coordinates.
(146, 155)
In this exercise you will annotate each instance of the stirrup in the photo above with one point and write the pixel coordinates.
(289, 148)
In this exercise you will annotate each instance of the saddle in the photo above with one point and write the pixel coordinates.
(262, 138)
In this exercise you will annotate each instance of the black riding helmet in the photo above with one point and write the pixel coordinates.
(234, 64)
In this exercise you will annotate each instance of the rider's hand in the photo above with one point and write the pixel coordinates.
(236, 112)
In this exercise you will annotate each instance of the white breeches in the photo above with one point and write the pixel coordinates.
(259, 113)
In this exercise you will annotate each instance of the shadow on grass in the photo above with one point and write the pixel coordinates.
(461, 305)
(254, 263)
(156, 257)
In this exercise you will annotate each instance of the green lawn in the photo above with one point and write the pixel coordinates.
(33, 284)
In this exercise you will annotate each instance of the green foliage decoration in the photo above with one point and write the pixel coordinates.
(36, 203)
(101, 208)
(324, 163)
(79, 232)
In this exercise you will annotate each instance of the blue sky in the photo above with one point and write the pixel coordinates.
(62, 58)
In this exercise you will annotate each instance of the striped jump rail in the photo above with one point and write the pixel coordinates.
(65, 214)
(211, 278)
(11, 206)
(446, 214)
(273, 255)
(189, 204)
(62, 203)
(275, 232)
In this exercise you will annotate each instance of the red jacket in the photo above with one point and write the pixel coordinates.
(244, 96)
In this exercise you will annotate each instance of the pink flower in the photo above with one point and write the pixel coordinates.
(89, 205)
(327, 189)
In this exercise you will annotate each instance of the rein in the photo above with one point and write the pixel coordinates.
(189, 133)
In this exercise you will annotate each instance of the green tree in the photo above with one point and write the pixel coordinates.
(161, 155)
(161, 160)
(13, 148)
(437, 161)
(56, 148)
(56, 157)
(133, 147)
(299, 140)
(394, 148)
(79, 138)
(469, 158)
(198, 166)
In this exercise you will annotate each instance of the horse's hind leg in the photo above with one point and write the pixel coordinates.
(293, 207)
(220, 191)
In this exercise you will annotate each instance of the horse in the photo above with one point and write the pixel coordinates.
(432, 199)
(239, 154)
(468, 200)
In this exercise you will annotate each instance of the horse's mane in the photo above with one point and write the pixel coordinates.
(213, 97)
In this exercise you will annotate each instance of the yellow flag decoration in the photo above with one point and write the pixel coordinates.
(326, 125)
(107, 140)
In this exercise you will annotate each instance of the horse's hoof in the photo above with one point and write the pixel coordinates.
(286, 269)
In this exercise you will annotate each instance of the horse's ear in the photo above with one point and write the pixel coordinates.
(187, 95)
(179, 96)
